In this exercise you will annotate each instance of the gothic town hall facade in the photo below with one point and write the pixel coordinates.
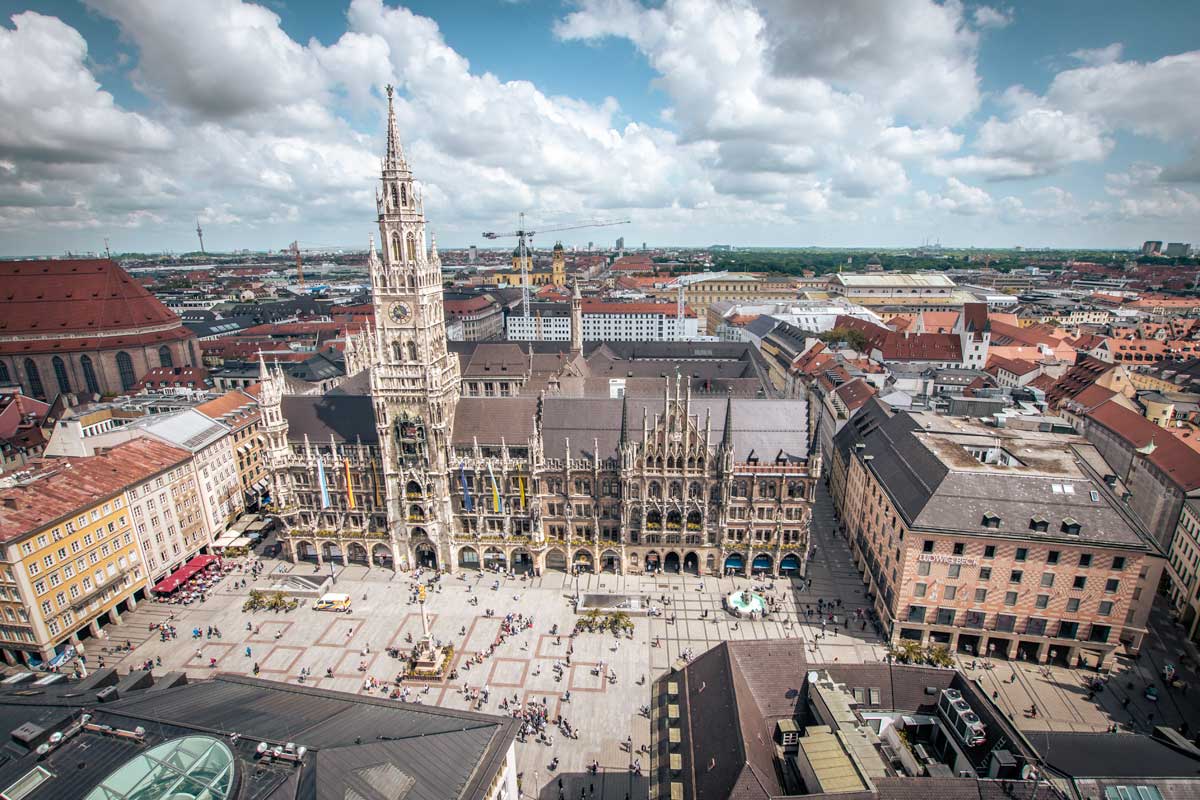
(397, 468)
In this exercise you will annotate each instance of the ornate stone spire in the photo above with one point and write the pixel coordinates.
(727, 432)
(394, 157)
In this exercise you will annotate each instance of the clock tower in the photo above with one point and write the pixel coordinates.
(415, 381)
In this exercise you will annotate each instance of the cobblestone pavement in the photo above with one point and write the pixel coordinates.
(604, 713)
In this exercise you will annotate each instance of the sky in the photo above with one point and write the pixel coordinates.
(785, 123)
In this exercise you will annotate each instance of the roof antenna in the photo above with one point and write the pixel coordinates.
(107, 254)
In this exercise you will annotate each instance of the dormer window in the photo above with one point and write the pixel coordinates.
(991, 520)
(1039, 523)
(1070, 526)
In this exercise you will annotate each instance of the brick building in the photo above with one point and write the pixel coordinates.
(84, 326)
(995, 541)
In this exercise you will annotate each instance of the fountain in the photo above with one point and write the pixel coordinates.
(746, 604)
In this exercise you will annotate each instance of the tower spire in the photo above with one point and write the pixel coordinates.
(624, 420)
(727, 431)
(394, 158)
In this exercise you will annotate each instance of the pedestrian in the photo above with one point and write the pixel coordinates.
(995, 696)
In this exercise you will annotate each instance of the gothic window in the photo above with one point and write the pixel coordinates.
(35, 379)
(700, 463)
(412, 351)
(670, 462)
(694, 490)
(795, 490)
(412, 247)
(715, 494)
(691, 463)
(676, 490)
(658, 462)
(89, 375)
(164, 357)
(125, 369)
(60, 374)
(768, 490)
(397, 350)
(395, 199)
(654, 490)
(739, 489)
(395, 248)
(403, 194)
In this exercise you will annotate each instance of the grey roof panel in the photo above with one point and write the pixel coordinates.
(345, 418)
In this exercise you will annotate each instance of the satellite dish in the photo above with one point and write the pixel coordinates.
(1028, 772)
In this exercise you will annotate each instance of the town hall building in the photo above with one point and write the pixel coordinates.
(395, 467)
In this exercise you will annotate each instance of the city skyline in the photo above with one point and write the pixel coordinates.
(768, 124)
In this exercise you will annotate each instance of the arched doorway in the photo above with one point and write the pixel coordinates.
(426, 556)
(556, 559)
(671, 562)
(691, 564)
(494, 559)
(735, 564)
(331, 552)
(610, 561)
(584, 561)
(382, 555)
(522, 561)
(789, 564)
(653, 563)
(763, 564)
(356, 553)
(305, 551)
(468, 558)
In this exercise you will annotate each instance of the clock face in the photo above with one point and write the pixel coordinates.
(400, 312)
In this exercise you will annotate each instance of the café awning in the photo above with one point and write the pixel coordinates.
(180, 576)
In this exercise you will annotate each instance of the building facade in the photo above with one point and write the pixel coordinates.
(992, 542)
(1183, 569)
(404, 472)
(166, 509)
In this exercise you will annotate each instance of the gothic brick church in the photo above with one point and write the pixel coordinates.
(395, 468)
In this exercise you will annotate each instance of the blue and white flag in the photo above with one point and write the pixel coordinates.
(322, 482)
(468, 504)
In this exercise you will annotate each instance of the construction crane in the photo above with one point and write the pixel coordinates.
(523, 236)
(299, 264)
(681, 283)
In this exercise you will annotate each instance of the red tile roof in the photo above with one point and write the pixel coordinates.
(83, 297)
(66, 486)
(855, 393)
(469, 304)
(1086, 371)
(1176, 459)
(175, 377)
(893, 346)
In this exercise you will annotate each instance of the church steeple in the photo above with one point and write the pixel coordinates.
(393, 158)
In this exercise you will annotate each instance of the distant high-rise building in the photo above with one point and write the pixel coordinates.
(621, 243)
(472, 254)
(643, 246)
(589, 247)
(1178, 250)
(1151, 248)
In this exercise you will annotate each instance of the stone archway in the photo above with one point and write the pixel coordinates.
(610, 561)
(691, 564)
(521, 561)
(556, 559)
(330, 551)
(305, 551)
(356, 553)
(425, 556)
(494, 559)
(671, 562)
(789, 564)
(583, 561)
(653, 562)
(735, 564)
(762, 565)
(381, 554)
(468, 558)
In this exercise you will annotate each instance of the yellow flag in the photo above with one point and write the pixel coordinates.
(349, 484)
(521, 486)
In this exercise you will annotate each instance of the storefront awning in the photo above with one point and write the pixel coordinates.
(180, 576)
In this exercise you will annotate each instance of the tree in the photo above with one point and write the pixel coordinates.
(851, 336)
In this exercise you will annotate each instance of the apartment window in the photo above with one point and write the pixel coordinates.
(1111, 586)
(980, 595)
(1047, 579)
(1105, 608)
(916, 613)
(1073, 604)
(1022, 553)
(1080, 582)
(989, 551)
(1052, 557)
(951, 592)
(985, 573)
(1015, 576)
(1085, 559)
(954, 570)
(1042, 601)
(1010, 598)
(1118, 562)
(959, 547)
(920, 589)
(922, 568)
(927, 546)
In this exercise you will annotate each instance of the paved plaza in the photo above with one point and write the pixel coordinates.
(604, 713)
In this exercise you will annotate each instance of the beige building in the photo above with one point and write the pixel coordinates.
(238, 411)
(699, 293)
(897, 292)
(69, 558)
(992, 541)
(1183, 568)
(166, 510)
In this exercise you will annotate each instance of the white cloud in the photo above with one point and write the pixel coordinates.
(1038, 141)
(956, 197)
(1099, 56)
(991, 17)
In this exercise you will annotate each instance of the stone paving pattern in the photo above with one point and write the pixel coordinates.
(605, 714)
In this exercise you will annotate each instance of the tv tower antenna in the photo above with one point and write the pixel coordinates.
(200, 233)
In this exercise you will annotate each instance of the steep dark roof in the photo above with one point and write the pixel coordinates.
(1112, 755)
(345, 418)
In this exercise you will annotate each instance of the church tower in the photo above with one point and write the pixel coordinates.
(558, 265)
(415, 381)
